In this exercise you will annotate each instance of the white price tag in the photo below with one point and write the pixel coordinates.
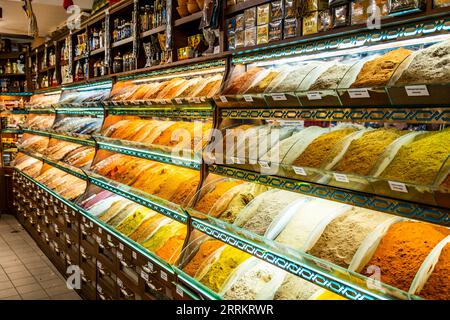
(179, 291)
(358, 93)
(150, 266)
(121, 246)
(109, 237)
(119, 255)
(119, 283)
(417, 91)
(100, 230)
(82, 249)
(91, 224)
(223, 99)
(179, 101)
(341, 177)
(99, 264)
(248, 98)
(163, 275)
(99, 240)
(99, 289)
(313, 95)
(398, 186)
(264, 164)
(144, 276)
(279, 97)
(300, 171)
(134, 255)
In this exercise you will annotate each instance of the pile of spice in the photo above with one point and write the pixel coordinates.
(363, 153)
(252, 282)
(378, 71)
(295, 288)
(263, 81)
(171, 249)
(242, 82)
(331, 77)
(234, 200)
(342, 237)
(257, 218)
(164, 233)
(402, 251)
(430, 65)
(145, 229)
(420, 161)
(208, 200)
(304, 221)
(134, 220)
(204, 251)
(230, 258)
(317, 151)
(437, 286)
(292, 80)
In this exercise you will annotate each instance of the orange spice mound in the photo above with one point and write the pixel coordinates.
(206, 249)
(437, 286)
(171, 250)
(378, 71)
(402, 251)
(210, 198)
(146, 228)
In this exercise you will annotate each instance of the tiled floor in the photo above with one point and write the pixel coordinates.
(25, 272)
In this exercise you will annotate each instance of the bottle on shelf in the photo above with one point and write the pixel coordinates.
(8, 67)
(115, 34)
(101, 36)
(118, 63)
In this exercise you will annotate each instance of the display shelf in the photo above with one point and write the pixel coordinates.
(341, 281)
(436, 115)
(45, 110)
(137, 247)
(97, 51)
(122, 42)
(230, 10)
(150, 32)
(201, 291)
(13, 131)
(159, 205)
(436, 21)
(60, 136)
(7, 75)
(59, 165)
(48, 190)
(18, 94)
(141, 151)
(166, 112)
(188, 19)
(408, 209)
(80, 111)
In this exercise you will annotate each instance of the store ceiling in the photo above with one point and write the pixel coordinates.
(49, 14)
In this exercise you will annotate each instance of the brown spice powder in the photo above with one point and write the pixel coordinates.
(437, 286)
(402, 251)
(319, 149)
(378, 71)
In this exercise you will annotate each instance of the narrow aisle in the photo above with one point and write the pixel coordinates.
(25, 272)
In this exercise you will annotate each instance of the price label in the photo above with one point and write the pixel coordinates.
(100, 230)
(99, 289)
(91, 224)
(99, 240)
(398, 186)
(341, 177)
(279, 97)
(223, 99)
(179, 101)
(248, 98)
(144, 276)
(82, 249)
(163, 275)
(179, 291)
(417, 91)
(313, 95)
(358, 93)
(300, 171)
(264, 164)
(109, 237)
(99, 264)
(119, 283)
(119, 255)
(150, 266)
(121, 246)
(134, 255)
